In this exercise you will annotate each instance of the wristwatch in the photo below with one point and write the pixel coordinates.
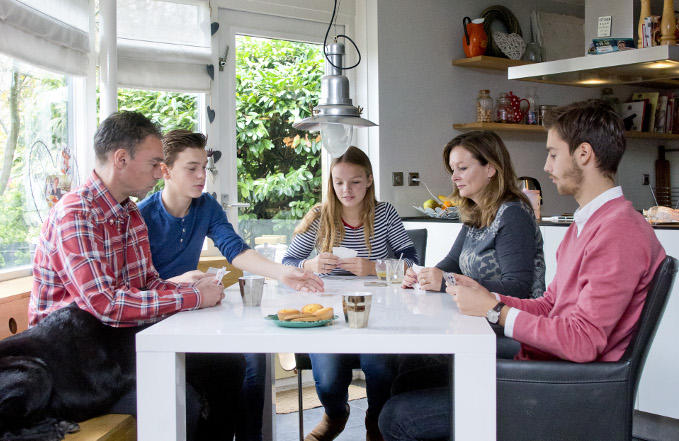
(493, 315)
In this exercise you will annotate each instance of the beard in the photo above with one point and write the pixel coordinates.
(571, 180)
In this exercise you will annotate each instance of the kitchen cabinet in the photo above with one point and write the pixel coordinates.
(656, 393)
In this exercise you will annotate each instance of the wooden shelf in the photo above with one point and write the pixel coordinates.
(525, 128)
(491, 63)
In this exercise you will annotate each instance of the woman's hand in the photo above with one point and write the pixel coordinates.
(358, 266)
(471, 297)
(300, 280)
(323, 263)
(430, 279)
(409, 278)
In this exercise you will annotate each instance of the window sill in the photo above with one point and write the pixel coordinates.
(16, 288)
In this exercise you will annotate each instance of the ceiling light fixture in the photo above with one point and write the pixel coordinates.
(335, 116)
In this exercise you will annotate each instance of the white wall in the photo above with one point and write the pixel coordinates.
(421, 95)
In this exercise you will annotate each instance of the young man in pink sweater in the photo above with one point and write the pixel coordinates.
(605, 264)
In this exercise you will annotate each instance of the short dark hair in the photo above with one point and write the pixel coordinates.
(594, 122)
(176, 141)
(123, 130)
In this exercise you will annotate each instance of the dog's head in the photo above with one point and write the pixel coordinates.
(25, 389)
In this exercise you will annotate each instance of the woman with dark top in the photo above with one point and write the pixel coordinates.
(500, 245)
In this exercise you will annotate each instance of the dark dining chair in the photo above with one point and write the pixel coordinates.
(419, 238)
(560, 400)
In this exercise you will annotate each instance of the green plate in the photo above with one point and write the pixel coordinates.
(284, 324)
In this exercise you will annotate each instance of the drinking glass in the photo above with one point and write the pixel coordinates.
(381, 269)
(395, 271)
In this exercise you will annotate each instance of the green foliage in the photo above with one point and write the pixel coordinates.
(279, 170)
(171, 110)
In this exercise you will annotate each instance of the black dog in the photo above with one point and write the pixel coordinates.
(70, 367)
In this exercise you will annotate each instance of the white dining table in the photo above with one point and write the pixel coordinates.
(401, 322)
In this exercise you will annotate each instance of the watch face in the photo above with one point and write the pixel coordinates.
(492, 316)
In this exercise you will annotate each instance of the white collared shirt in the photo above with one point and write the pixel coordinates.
(580, 217)
(582, 214)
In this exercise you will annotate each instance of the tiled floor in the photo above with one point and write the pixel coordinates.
(287, 427)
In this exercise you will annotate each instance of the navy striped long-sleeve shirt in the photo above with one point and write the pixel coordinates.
(389, 235)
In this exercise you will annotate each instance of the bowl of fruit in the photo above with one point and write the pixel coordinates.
(442, 207)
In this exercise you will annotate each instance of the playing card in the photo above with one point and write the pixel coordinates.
(344, 252)
(450, 278)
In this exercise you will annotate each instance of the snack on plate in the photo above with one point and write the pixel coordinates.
(311, 308)
(287, 314)
(661, 214)
(324, 313)
(310, 313)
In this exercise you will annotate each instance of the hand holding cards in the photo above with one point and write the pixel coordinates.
(219, 273)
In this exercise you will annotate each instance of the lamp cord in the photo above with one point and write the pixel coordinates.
(332, 18)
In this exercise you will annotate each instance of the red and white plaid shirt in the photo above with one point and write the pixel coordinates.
(95, 251)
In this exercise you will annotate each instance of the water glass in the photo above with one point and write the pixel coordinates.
(251, 290)
(381, 269)
(395, 271)
(356, 308)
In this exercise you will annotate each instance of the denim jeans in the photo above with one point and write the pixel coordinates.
(417, 415)
(332, 374)
(251, 399)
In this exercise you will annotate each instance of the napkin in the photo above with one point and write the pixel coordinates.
(417, 269)
(344, 252)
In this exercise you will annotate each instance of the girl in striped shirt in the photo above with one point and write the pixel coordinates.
(352, 218)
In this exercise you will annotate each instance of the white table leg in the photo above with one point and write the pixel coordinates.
(161, 396)
(475, 397)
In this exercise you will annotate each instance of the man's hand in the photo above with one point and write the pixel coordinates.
(471, 297)
(323, 263)
(409, 278)
(211, 292)
(301, 280)
(358, 266)
(189, 277)
(430, 279)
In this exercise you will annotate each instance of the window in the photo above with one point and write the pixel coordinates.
(37, 157)
(278, 167)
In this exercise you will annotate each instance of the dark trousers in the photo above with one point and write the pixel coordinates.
(214, 382)
(251, 400)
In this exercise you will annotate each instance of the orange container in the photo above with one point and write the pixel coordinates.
(475, 40)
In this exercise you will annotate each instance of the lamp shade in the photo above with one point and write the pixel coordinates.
(335, 106)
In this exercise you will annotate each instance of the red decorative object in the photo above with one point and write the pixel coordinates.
(475, 39)
(515, 113)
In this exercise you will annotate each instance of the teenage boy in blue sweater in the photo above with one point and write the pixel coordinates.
(178, 220)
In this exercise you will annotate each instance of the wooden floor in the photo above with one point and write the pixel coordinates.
(111, 427)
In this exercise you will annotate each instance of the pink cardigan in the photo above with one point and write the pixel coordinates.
(590, 310)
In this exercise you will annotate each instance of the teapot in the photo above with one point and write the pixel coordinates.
(515, 114)
(475, 40)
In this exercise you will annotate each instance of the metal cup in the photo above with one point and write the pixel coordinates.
(251, 289)
(356, 308)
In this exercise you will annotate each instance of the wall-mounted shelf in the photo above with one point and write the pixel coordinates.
(490, 63)
(525, 128)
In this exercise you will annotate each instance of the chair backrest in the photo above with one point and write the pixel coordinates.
(654, 306)
(419, 238)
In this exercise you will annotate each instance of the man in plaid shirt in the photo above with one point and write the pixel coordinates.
(94, 251)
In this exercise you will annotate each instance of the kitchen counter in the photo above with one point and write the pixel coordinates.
(542, 223)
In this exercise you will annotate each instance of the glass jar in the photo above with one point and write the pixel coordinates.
(503, 109)
(532, 112)
(484, 106)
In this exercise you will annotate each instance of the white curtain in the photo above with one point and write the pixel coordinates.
(53, 34)
(164, 44)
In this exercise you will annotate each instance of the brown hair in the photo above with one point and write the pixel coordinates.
(331, 231)
(122, 130)
(176, 141)
(487, 148)
(594, 122)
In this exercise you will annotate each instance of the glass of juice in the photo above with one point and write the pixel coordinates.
(381, 269)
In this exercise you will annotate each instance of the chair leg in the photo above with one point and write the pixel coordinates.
(300, 404)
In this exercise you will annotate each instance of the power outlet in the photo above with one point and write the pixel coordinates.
(645, 179)
(413, 179)
(397, 179)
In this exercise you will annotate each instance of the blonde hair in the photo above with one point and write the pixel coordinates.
(330, 230)
(487, 148)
